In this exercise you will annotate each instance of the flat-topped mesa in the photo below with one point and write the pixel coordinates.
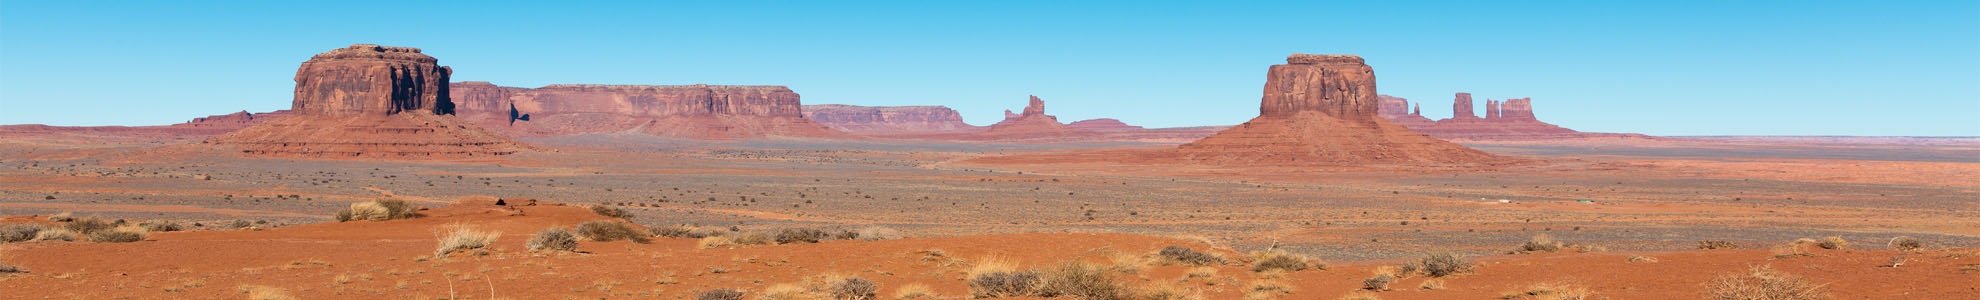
(1517, 109)
(853, 118)
(1392, 106)
(372, 79)
(697, 111)
(1337, 85)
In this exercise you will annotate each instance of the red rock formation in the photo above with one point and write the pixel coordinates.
(1517, 109)
(1103, 124)
(873, 119)
(685, 111)
(1392, 106)
(1511, 119)
(369, 101)
(1461, 107)
(1491, 109)
(1031, 125)
(1322, 109)
(232, 121)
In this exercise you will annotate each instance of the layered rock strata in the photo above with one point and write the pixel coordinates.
(1323, 109)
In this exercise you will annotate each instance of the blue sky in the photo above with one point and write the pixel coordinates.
(1665, 68)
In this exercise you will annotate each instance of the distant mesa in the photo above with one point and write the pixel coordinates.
(887, 119)
(367, 101)
(1510, 119)
(1032, 124)
(1323, 109)
(698, 111)
(1103, 124)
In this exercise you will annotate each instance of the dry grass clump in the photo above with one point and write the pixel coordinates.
(734, 240)
(1797, 248)
(1444, 263)
(1905, 243)
(854, 288)
(785, 291)
(1265, 289)
(160, 226)
(1360, 295)
(1283, 261)
(800, 235)
(380, 210)
(684, 231)
(877, 233)
(1540, 243)
(609, 211)
(1378, 283)
(1432, 284)
(55, 234)
(20, 233)
(916, 291)
(123, 234)
(464, 238)
(87, 225)
(1764, 283)
(1833, 243)
(62, 217)
(720, 294)
(996, 278)
(1550, 291)
(1189, 257)
(258, 292)
(553, 239)
(8, 269)
(612, 230)
(1717, 244)
(1640, 258)
(1080, 280)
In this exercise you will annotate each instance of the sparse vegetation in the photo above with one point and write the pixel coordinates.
(1640, 258)
(1905, 243)
(854, 288)
(679, 231)
(720, 294)
(20, 232)
(1445, 263)
(1283, 261)
(876, 233)
(1360, 295)
(612, 230)
(1797, 248)
(56, 234)
(992, 278)
(1717, 244)
(916, 291)
(160, 226)
(87, 225)
(1080, 280)
(1189, 257)
(380, 210)
(553, 239)
(732, 240)
(1540, 243)
(464, 238)
(8, 269)
(1764, 283)
(1266, 289)
(1432, 284)
(257, 292)
(1833, 243)
(609, 211)
(800, 235)
(1378, 283)
(62, 217)
(1550, 291)
(119, 235)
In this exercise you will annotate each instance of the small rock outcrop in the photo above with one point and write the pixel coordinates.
(1103, 124)
(872, 119)
(1323, 109)
(368, 101)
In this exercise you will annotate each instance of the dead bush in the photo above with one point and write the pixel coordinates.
(1717, 244)
(1540, 243)
(611, 230)
(1283, 261)
(800, 235)
(1378, 283)
(1445, 263)
(609, 211)
(161, 226)
(553, 239)
(55, 234)
(463, 238)
(916, 291)
(1551, 291)
(854, 288)
(1186, 256)
(1764, 283)
(87, 225)
(1359, 295)
(1079, 280)
(1833, 243)
(20, 232)
(720, 294)
(1905, 243)
(876, 233)
(6, 269)
(63, 217)
(676, 231)
(991, 278)
(380, 210)
(117, 236)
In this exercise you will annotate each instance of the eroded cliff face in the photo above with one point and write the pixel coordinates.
(866, 119)
(1323, 109)
(1030, 125)
(688, 111)
(1510, 119)
(366, 101)
(1461, 107)
(372, 79)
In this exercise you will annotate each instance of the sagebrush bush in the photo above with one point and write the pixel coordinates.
(1763, 282)
(800, 235)
(1378, 283)
(553, 239)
(117, 236)
(1283, 261)
(1540, 243)
(611, 230)
(1190, 257)
(1444, 263)
(20, 232)
(854, 288)
(609, 211)
(1717, 244)
(464, 238)
(720, 294)
(1905, 243)
(1080, 280)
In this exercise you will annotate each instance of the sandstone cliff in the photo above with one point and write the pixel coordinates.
(1030, 125)
(1322, 109)
(869, 119)
(697, 111)
(368, 101)
(1510, 119)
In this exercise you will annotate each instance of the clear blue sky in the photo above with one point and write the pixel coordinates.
(1683, 68)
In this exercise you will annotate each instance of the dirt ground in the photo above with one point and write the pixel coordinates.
(1624, 198)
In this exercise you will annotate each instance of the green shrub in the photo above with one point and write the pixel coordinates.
(612, 230)
(553, 239)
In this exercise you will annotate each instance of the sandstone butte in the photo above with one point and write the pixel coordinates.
(884, 119)
(1322, 109)
(1510, 119)
(697, 111)
(367, 101)
(1033, 124)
